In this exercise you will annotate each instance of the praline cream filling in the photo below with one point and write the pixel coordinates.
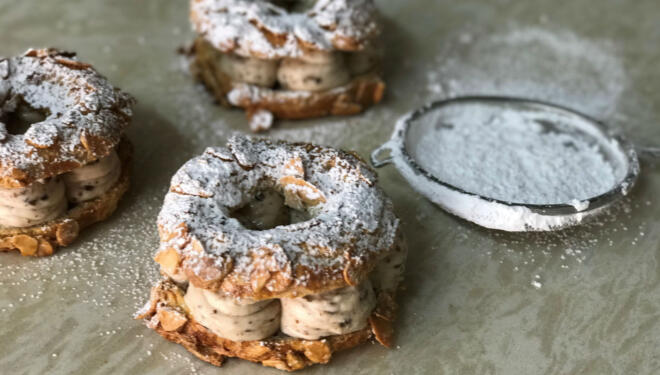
(336, 312)
(92, 180)
(316, 71)
(34, 204)
(389, 271)
(48, 199)
(236, 321)
(310, 317)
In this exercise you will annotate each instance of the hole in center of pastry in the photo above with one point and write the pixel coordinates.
(295, 6)
(267, 210)
(18, 115)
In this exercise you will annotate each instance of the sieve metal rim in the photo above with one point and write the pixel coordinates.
(398, 141)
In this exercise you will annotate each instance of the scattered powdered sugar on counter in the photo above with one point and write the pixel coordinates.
(109, 266)
(513, 156)
(531, 61)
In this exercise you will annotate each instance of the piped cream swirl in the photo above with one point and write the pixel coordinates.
(316, 73)
(92, 180)
(336, 312)
(236, 321)
(34, 204)
(46, 200)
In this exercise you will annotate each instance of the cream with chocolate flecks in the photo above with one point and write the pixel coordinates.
(92, 180)
(336, 312)
(34, 204)
(266, 211)
(249, 69)
(231, 320)
(300, 75)
(388, 274)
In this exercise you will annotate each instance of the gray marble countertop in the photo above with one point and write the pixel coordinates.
(581, 301)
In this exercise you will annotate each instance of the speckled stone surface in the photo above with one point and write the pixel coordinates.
(582, 301)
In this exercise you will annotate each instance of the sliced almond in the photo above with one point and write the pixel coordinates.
(255, 351)
(43, 136)
(207, 272)
(299, 194)
(45, 248)
(26, 244)
(275, 362)
(317, 351)
(94, 145)
(73, 64)
(67, 232)
(271, 269)
(382, 329)
(170, 319)
(352, 270)
(294, 167)
(169, 259)
(180, 231)
(294, 361)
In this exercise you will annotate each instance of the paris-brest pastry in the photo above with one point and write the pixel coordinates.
(288, 59)
(63, 154)
(276, 253)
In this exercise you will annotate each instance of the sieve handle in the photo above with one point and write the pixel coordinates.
(382, 155)
(649, 153)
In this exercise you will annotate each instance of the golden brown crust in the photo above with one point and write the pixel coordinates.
(44, 239)
(167, 314)
(203, 271)
(295, 268)
(362, 92)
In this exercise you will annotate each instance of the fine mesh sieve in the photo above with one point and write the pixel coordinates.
(613, 153)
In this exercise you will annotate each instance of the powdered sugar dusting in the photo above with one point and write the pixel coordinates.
(238, 26)
(531, 62)
(80, 104)
(355, 217)
(514, 156)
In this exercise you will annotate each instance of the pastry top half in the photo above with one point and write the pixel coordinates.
(264, 219)
(285, 28)
(71, 116)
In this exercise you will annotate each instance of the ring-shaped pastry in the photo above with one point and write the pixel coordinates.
(288, 59)
(266, 236)
(63, 155)
(341, 221)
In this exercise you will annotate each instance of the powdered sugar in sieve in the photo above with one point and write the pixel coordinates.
(511, 164)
